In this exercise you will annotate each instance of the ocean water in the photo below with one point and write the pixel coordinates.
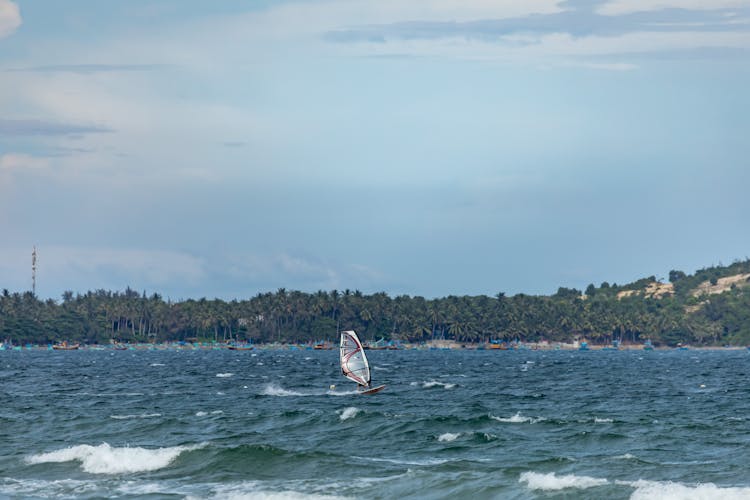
(450, 424)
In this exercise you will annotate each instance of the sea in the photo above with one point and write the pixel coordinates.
(284, 424)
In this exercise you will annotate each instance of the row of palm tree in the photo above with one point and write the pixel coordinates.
(600, 316)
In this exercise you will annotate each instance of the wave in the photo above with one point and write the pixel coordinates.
(422, 463)
(449, 436)
(276, 390)
(429, 384)
(225, 375)
(644, 489)
(42, 488)
(348, 413)
(652, 490)
(251, 490)
(104, 459)
(518, 419)
(142, 415)
(552, 482)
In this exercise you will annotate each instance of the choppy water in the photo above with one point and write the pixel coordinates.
(451, 424)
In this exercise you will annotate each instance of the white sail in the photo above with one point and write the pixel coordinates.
(353, 360)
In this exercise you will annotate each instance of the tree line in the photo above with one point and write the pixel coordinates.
(600, 314)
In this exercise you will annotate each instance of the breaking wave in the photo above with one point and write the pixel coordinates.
(348, 413)
(104, 459)
(552, 482)
(518, 419)
(142, 415)
(449, 436)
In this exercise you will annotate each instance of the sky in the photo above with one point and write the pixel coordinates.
(428, 148)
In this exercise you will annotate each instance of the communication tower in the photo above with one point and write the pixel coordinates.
(33, 271)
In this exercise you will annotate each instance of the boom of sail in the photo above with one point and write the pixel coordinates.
(354, 364)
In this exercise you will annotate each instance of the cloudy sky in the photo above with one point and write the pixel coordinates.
(429, 147)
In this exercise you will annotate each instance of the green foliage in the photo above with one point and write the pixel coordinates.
(292, 316)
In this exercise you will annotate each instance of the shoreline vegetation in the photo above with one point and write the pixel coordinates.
(443, 345)
(710, 308)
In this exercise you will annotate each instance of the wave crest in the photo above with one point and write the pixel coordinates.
(551, 482)
(104, 459)
(449, 436)
(518, 419)
(649, 490)
(348, 413)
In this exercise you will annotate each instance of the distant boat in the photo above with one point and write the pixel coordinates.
(584, 346)
(64, 346)
(240, 347)
(354, 365)
(648, 346)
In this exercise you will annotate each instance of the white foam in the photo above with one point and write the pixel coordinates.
(434, 383)
(276, 390)
(653, 490)
(626, 456)
(551, 482)
(40, 488)
(518, 419)
(449, 436)
(251, 490)
(348, 413)
(142, 415)
(433, 461)
(201, 414)
(156, 364)
(104, 459)
(225, 375)
(603, 420)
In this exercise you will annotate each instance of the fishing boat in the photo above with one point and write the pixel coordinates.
(240, 347)
(354, 365)
(64, 346)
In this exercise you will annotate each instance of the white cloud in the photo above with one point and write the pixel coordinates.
(617, 7)
(10, 18)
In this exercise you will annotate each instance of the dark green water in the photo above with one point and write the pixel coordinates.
(450, 424)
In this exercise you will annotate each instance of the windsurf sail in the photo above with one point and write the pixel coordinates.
(353, 360)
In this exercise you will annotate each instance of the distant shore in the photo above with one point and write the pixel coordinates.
(326, 346)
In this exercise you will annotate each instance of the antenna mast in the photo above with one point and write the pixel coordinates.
(33, 271)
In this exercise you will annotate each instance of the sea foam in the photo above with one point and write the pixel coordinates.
(348, 413)
(104, 459)
(434, 383)
(551, 482)
(276, 390)
(225, 375)
(517, 419)
(142, 415)
(653, 490)
(449, 436)
(251, 490)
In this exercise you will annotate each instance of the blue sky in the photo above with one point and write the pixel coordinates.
(433, 148)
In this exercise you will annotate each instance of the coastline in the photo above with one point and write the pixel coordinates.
(327, 346)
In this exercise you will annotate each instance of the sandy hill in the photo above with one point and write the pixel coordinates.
(722, 285)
